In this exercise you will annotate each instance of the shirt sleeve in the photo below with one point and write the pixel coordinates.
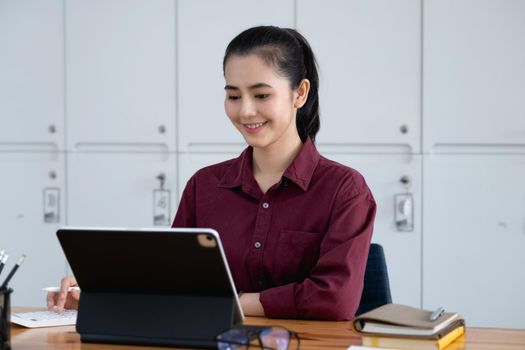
(333, 289)
(186, 213)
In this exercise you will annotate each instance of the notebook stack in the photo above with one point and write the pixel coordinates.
(403, 327)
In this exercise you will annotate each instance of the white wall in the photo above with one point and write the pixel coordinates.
(101, 99)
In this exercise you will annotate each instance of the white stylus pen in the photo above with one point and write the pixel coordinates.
(437, 314)
(57, 289)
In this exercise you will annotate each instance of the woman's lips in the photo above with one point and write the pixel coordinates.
(254, 128)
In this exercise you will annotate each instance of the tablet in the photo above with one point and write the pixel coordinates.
(151, 286)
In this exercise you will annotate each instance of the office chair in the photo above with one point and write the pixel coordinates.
(376, 290)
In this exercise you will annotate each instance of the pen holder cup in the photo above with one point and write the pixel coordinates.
(5, 318)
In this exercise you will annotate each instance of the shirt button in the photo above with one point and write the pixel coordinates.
(257, 245)
(266, 205)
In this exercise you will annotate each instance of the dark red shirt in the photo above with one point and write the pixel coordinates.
(303, 244)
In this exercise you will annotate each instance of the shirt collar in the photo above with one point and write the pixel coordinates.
(302, 168)
(234, 176)
(300, 171)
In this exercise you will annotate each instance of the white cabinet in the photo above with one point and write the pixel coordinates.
(474, 76)
(120, 74)
(205, 27)
(32, 208)
(474, 235)
(369, 57)
(31, 75)
(121, 189)
(383, 174)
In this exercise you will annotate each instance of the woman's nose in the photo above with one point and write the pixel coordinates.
(248, 108)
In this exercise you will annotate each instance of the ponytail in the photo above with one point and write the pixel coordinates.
(289, 52)
(308, 122)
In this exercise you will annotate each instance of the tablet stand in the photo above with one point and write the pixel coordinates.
(171, 320)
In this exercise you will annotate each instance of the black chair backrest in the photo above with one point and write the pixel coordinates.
(376, 290)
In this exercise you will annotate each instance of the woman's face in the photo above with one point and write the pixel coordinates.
(259, 102)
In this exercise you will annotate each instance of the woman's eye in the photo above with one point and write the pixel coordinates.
(232, 97)
(262, 96)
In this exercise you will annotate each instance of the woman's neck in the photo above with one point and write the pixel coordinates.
(269, 163)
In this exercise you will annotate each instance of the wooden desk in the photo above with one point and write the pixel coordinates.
(315, 335)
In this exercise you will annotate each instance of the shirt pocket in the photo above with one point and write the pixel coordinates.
(296, 255)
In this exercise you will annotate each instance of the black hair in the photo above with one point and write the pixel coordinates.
(290, 54)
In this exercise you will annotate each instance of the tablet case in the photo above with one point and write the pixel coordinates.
(160, 287)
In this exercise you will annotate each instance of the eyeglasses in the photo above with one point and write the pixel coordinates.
(259, 337)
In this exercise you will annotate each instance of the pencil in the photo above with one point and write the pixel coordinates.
(3, 259)
(12, 272)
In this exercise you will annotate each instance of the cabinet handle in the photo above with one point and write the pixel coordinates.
(404, 212)
(161, 203)
(51, 205)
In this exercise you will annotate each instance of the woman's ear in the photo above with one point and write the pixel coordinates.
(301, 93)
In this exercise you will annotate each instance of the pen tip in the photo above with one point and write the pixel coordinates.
(21, 260)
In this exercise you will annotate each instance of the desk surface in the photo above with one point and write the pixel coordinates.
(314, 335)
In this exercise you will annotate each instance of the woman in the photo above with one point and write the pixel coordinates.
(295, 226)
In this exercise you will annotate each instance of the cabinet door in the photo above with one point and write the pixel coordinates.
(121, 189)
(31, 75)
(474, 75)
(31, 210)
(369, 55)
(204, 30)
(121, 73)
(474, 234)
(384, 175)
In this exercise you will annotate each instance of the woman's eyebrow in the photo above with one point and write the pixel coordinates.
(254, 86)
(259, 85)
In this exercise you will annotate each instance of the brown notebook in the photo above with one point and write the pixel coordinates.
(395, 320)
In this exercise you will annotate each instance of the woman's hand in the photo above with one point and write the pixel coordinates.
(250, 304)
(64, 299)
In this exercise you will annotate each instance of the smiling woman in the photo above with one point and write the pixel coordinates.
(295, 226)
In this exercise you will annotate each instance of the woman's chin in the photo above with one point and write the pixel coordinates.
(256, 141)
